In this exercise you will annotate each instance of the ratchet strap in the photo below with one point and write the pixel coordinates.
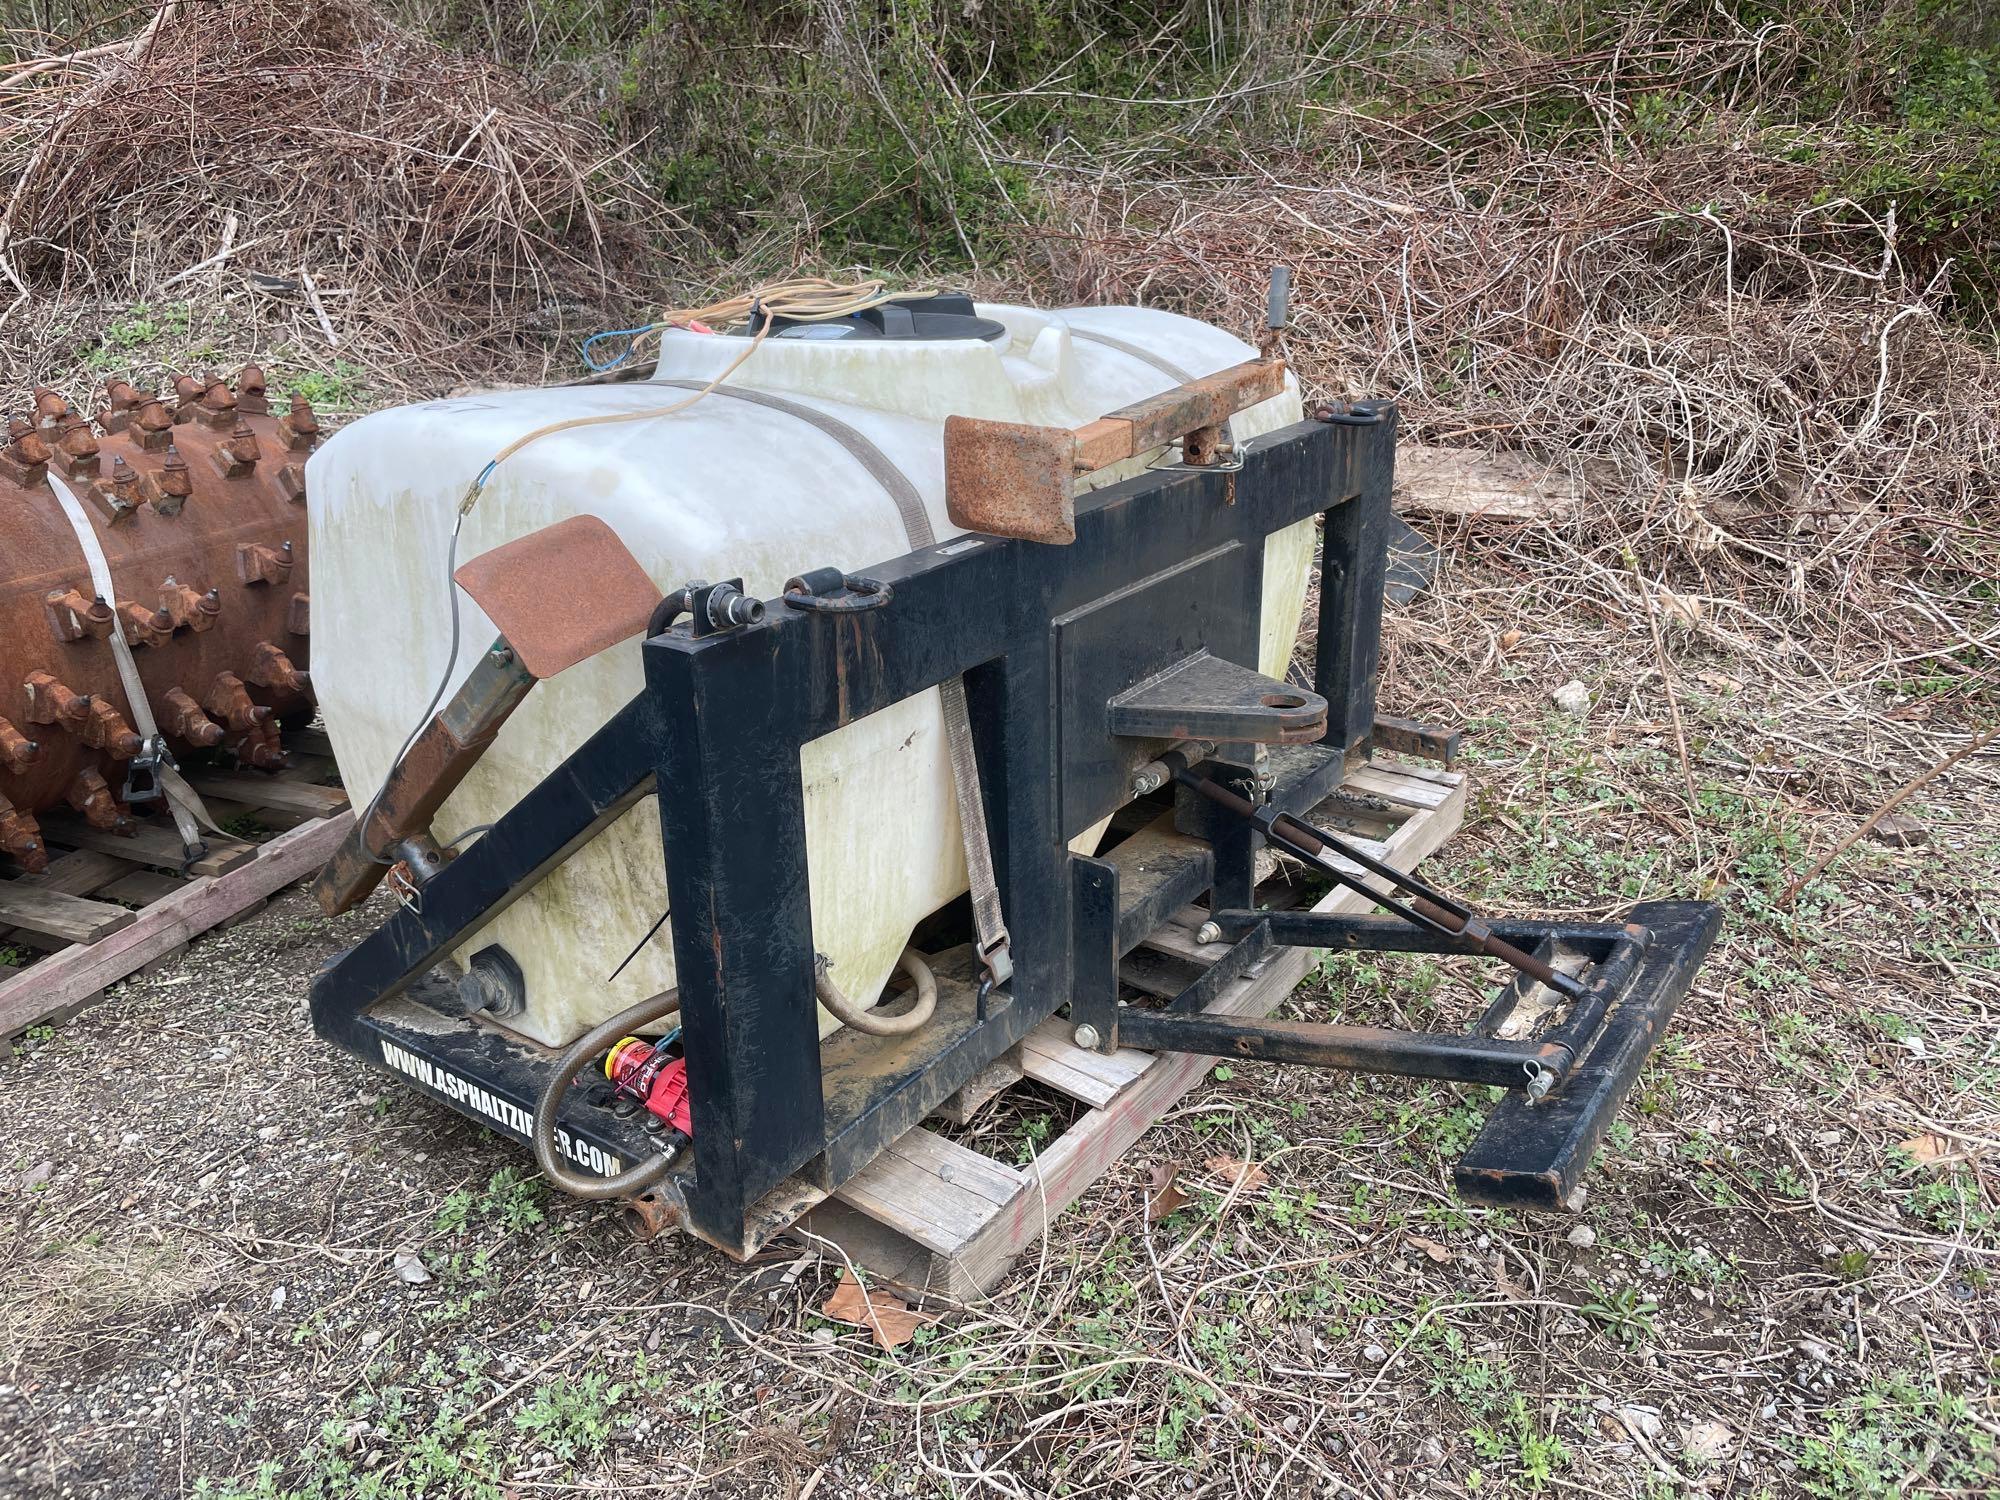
(183, 801)
(995, 955)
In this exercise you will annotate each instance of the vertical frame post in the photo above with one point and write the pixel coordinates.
(1353, 563)
(1093, 1000)
(733, 813)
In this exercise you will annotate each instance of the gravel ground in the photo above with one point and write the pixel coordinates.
(239, 1264)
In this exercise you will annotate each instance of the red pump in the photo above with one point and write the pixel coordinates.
(642, 1071)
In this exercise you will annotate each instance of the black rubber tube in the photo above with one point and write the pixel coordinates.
(593, 1043)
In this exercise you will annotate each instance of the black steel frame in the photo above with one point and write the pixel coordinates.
(1164, 566)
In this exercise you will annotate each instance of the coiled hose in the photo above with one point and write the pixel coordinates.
(848, 1013)
(600, 1038)
(592, 1044)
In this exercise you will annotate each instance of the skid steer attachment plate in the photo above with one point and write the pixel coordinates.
(1108, 676)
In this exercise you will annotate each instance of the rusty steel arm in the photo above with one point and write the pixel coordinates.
(1012, 479)
(559, 595)
(437, 762)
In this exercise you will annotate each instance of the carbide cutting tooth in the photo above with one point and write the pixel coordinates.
(152, 426)
(257, 563)
(218, 404)
(271, 668)
(169, 489)
(183, 718)
(238, 457)
(72, 617)
(187, 396)
(228, 700)
(251, 395)
(121, 399)
(299, 427)
(25, 459)
(21, 838)
(76, 452)
(145, 627)
(50, 410)
(17, 751)
(89, 795)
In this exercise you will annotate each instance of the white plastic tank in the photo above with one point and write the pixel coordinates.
(723, 489)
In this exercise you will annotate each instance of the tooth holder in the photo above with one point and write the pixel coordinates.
(1086, 666)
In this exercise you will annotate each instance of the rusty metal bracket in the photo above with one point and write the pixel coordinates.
(571, 590)
(562, 594)
(1015, 480)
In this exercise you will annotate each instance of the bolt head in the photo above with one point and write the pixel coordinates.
(1087, 1038)
(1208, 932)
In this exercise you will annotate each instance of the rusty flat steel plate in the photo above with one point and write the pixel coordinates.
(561, 594)
(1010, 479)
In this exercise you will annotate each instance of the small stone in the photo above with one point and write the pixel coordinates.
(277, 1298)
(1641, 1419)
(1900, 832)
(1709, 1443)
(1583, 1236)
(1374, 1354)
(1573, 698)
(410, 1268)
(269, 1133)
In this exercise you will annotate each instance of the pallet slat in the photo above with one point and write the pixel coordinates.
(149, 844)
(1087, 1077)
(913, 1223)
(56, 914)
(79, 972)
(81, 872)
(141, 887)
(253, 790)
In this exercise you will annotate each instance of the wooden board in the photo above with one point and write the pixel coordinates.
(78, 972)
(273, 792)
(938, 1216)
(54, 914)
(153, 844)
(982, 1088)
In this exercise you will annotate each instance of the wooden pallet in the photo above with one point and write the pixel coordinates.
(935, 1215)
(109, 906)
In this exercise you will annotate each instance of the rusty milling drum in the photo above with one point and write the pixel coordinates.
(195, 500)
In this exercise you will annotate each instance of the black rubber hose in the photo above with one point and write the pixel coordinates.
(591, 1045)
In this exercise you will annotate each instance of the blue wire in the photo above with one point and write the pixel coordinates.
(627, 334)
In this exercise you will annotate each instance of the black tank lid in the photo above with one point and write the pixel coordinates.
(923, 318)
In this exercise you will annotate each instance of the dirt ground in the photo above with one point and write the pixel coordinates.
(239, 1264)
